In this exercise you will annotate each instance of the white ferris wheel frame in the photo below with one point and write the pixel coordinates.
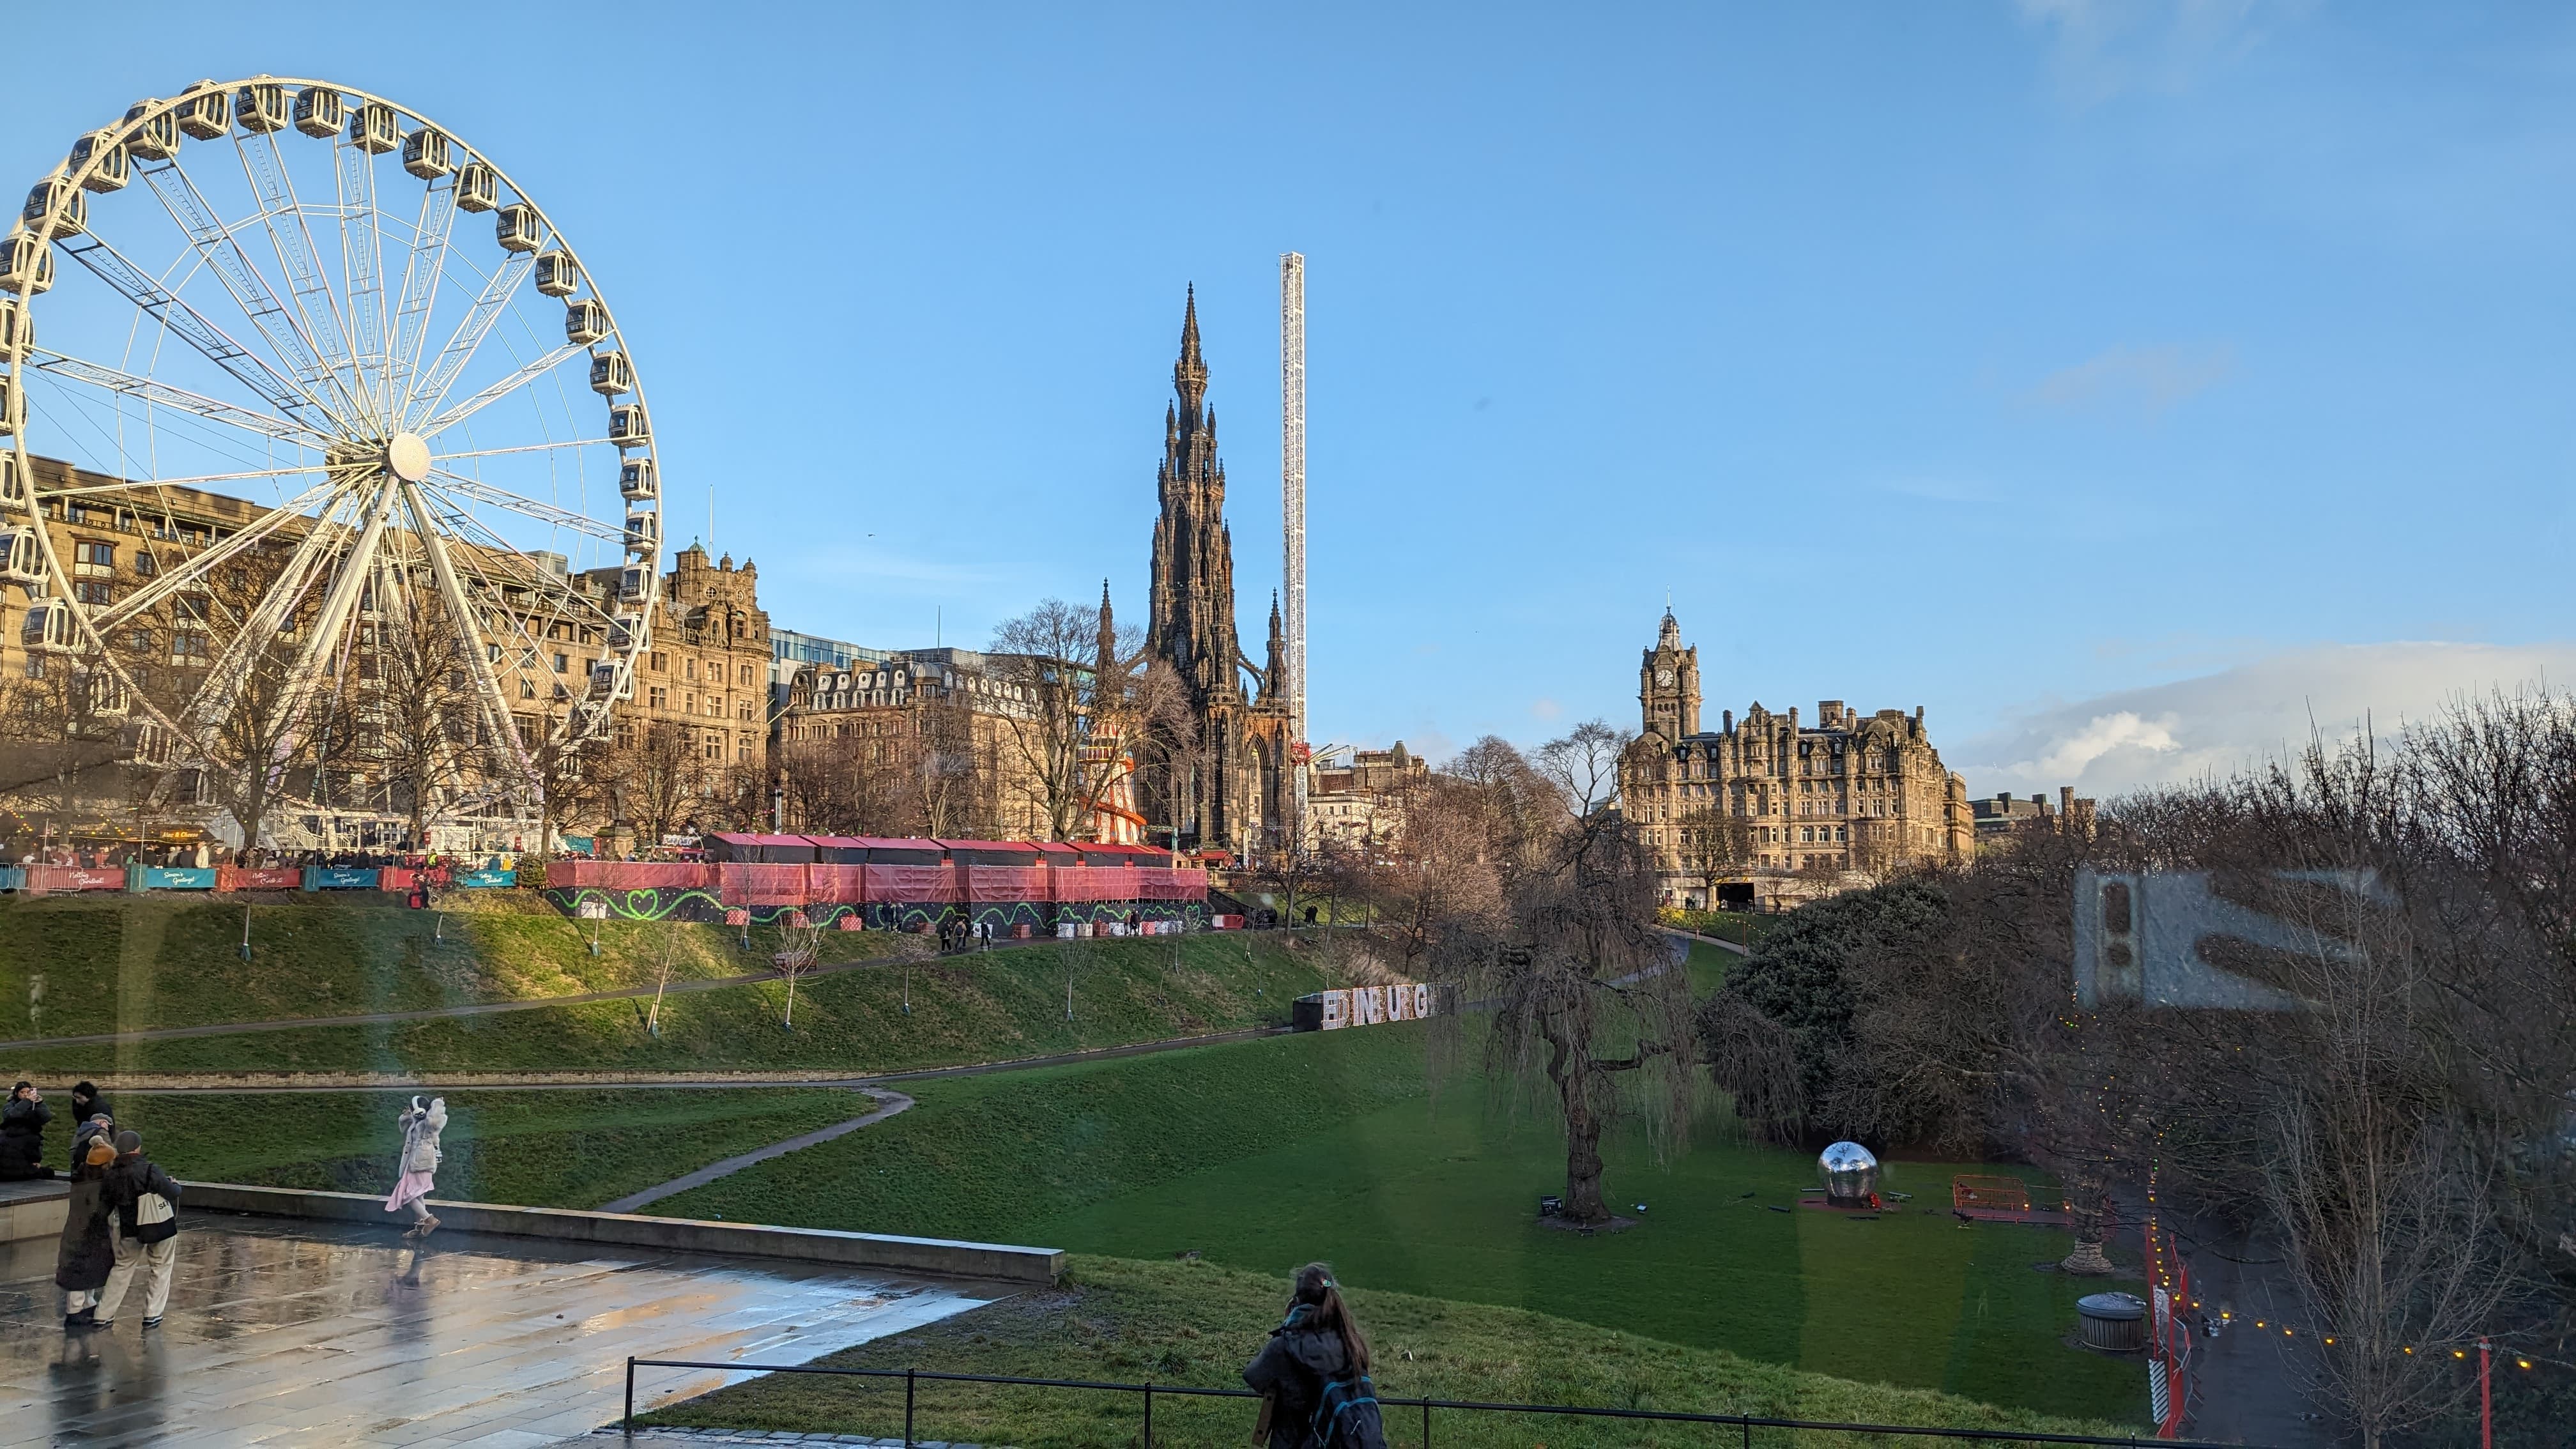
(337, 384)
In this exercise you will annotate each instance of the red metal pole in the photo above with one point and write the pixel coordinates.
(2486, 1402)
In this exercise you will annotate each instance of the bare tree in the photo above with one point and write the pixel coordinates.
(1075, 703)
(416, 713)
(666, 968)
(799, 949)
(1715, 845)
(661, 772)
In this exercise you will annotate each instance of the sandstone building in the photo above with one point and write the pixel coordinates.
(1358, 804)
(1771, 810)
(923, 717)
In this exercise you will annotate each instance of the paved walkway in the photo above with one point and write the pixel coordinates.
(889, 1103)
(292, 1333)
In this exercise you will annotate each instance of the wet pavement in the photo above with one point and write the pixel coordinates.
(283, 1332)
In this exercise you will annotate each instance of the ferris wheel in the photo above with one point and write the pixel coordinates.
(315, 432)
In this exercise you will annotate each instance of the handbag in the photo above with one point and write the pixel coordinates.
(155, 1220)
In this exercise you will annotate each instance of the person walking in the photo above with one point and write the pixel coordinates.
(1313, 1375)
(22, 1135)
(146, 1203)
(420, 1128)
(87, 1253)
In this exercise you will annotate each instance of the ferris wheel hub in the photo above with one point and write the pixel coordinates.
(407, 457)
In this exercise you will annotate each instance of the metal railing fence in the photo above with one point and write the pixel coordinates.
(1389, 1403)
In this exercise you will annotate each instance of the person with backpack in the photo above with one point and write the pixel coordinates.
(145, 1202)
(1313, 1375)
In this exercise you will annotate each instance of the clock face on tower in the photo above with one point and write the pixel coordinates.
(1664, 678)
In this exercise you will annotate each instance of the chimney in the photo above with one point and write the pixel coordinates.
(2066, 800)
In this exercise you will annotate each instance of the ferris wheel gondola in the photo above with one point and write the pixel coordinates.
(292, 426)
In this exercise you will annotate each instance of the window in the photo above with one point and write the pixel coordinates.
(661, 662)
(93, 560)
(145, 564)
(689, 702)
(745, 676)
(527, 688)
(691, 666)
(658, 697)
(90, 591)
(561, 664)
(190, 650)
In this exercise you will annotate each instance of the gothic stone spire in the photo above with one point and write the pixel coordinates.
(1192, 606)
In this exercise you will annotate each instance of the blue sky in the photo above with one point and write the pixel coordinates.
(2126, 383)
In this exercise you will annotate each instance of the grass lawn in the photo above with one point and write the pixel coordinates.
(1198, 1323)
(1708, 966)
(1005, 1004)
(573, 1149)
(1266, 1154)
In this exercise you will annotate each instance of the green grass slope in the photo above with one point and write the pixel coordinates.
(1000, 1005)
(1199, 1323)
(73, 966)
(574, 1149)
(1264, 1155)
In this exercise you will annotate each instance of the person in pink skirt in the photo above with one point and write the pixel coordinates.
(420, 1128)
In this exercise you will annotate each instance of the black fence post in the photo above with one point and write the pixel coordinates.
(1149, 1414)
(630, 1396)
(1426, 1422)
(1748, 1434)
(907, 1409)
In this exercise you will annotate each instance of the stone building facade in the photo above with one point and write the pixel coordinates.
(1358, 803)
(2006, 816)
(707, 670)
(905, 708)
(1805, 808)
(1227, 784)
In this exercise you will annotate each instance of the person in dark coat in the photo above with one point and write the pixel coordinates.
(86, 1103)
(145, 1200)
(22, 1134)
(88, 1251)
(1316, 1343)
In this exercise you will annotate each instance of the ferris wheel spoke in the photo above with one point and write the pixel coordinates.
(188, 570)
(300, 258)
(501, 729)
(338, 603)
(421, 274)
(216, 244)
(234, 670)
(362, 269)
(458, 484)
(527, 448)
(528, 373)
(465, 342)
(247, 367)
(144, 485)
(162, 394)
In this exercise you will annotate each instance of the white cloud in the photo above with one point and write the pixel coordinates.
(2216, 724)
(2150, 379)
(2104, 48)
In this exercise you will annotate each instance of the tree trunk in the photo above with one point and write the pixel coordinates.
(1582, 1157)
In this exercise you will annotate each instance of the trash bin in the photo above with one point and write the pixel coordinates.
(2112, 1322)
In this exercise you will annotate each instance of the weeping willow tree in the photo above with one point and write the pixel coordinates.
(1585, 1003)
